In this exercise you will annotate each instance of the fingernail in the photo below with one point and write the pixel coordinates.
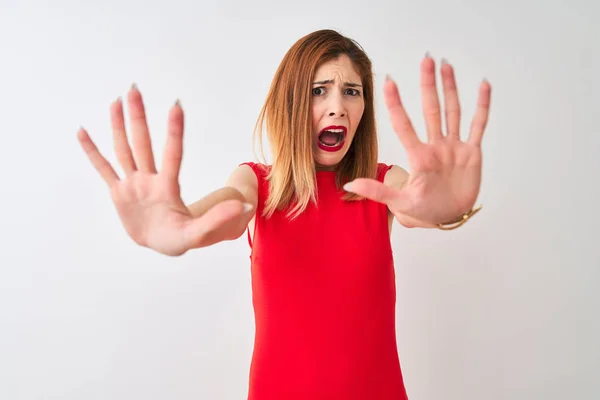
(247, 207)
(388, 77)
(118, 100)
(427, 54)
(444, 61)
(348, 187)
(134, 86)
(178, 103)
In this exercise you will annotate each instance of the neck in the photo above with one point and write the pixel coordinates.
(320, 168)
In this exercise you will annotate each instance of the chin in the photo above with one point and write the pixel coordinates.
(329, 156)
(329, 159)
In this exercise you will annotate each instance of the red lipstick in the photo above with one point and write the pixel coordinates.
(338, 129)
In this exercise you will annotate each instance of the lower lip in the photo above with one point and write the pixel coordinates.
(331, 149)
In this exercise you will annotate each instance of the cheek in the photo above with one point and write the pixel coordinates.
(356, 113)
(315, 116)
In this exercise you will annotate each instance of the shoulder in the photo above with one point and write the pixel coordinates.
(393, 175)
(245, 178)
(253, 171)
(259, 170)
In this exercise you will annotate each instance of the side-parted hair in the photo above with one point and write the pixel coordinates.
(287, 113)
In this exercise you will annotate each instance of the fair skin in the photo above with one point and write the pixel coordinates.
(445, 172)
(444, 180)
(148, 199)
(337, 100)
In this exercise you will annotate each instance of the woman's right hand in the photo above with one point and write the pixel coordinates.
(148, 202)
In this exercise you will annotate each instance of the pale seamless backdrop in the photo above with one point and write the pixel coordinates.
(506, 307)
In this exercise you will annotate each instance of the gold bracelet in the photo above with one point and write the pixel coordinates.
(448, 226)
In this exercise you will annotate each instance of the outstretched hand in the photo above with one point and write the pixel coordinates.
(147, 200)
(445, 172)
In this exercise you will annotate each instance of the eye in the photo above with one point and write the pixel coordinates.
(352, 92)
(318, 91)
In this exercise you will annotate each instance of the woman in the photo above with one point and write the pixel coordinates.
(318, 219)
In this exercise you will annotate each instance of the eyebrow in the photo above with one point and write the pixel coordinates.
(350, 84)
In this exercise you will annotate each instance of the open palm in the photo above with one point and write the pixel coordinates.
(445, 172)
(148, 201)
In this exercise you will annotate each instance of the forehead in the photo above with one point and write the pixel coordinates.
(340, 69)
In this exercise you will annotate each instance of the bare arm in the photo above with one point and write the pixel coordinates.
(241, 186)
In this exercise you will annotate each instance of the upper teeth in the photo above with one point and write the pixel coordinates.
(335, 130)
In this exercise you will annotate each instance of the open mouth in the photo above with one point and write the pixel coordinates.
(332, 138)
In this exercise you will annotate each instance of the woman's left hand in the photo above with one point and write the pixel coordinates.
(445, 172)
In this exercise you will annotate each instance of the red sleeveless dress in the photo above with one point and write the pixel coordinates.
(324, 296)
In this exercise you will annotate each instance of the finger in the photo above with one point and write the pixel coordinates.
(121, 144)
(400, 121)
(174, 147)
(141, 138)
(451, 102)
(482, 111)
(429, 99)
(374, 190)
(204, 231)
(103, 167)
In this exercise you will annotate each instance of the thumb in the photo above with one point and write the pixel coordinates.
(372, 189)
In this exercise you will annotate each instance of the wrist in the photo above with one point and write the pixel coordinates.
(409, 222)
(459, 220)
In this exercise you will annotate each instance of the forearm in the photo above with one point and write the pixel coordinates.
(201, 206)
(229, 230)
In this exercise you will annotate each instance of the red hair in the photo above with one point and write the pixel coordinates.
(287, 115)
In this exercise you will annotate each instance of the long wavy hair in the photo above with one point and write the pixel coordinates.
(288, 119)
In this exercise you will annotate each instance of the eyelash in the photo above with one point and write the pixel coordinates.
(354, 91)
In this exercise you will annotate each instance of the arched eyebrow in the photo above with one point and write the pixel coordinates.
(328, 81)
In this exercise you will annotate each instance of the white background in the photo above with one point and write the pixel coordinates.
(507, 307)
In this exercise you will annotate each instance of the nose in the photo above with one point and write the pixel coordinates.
(337, 107)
